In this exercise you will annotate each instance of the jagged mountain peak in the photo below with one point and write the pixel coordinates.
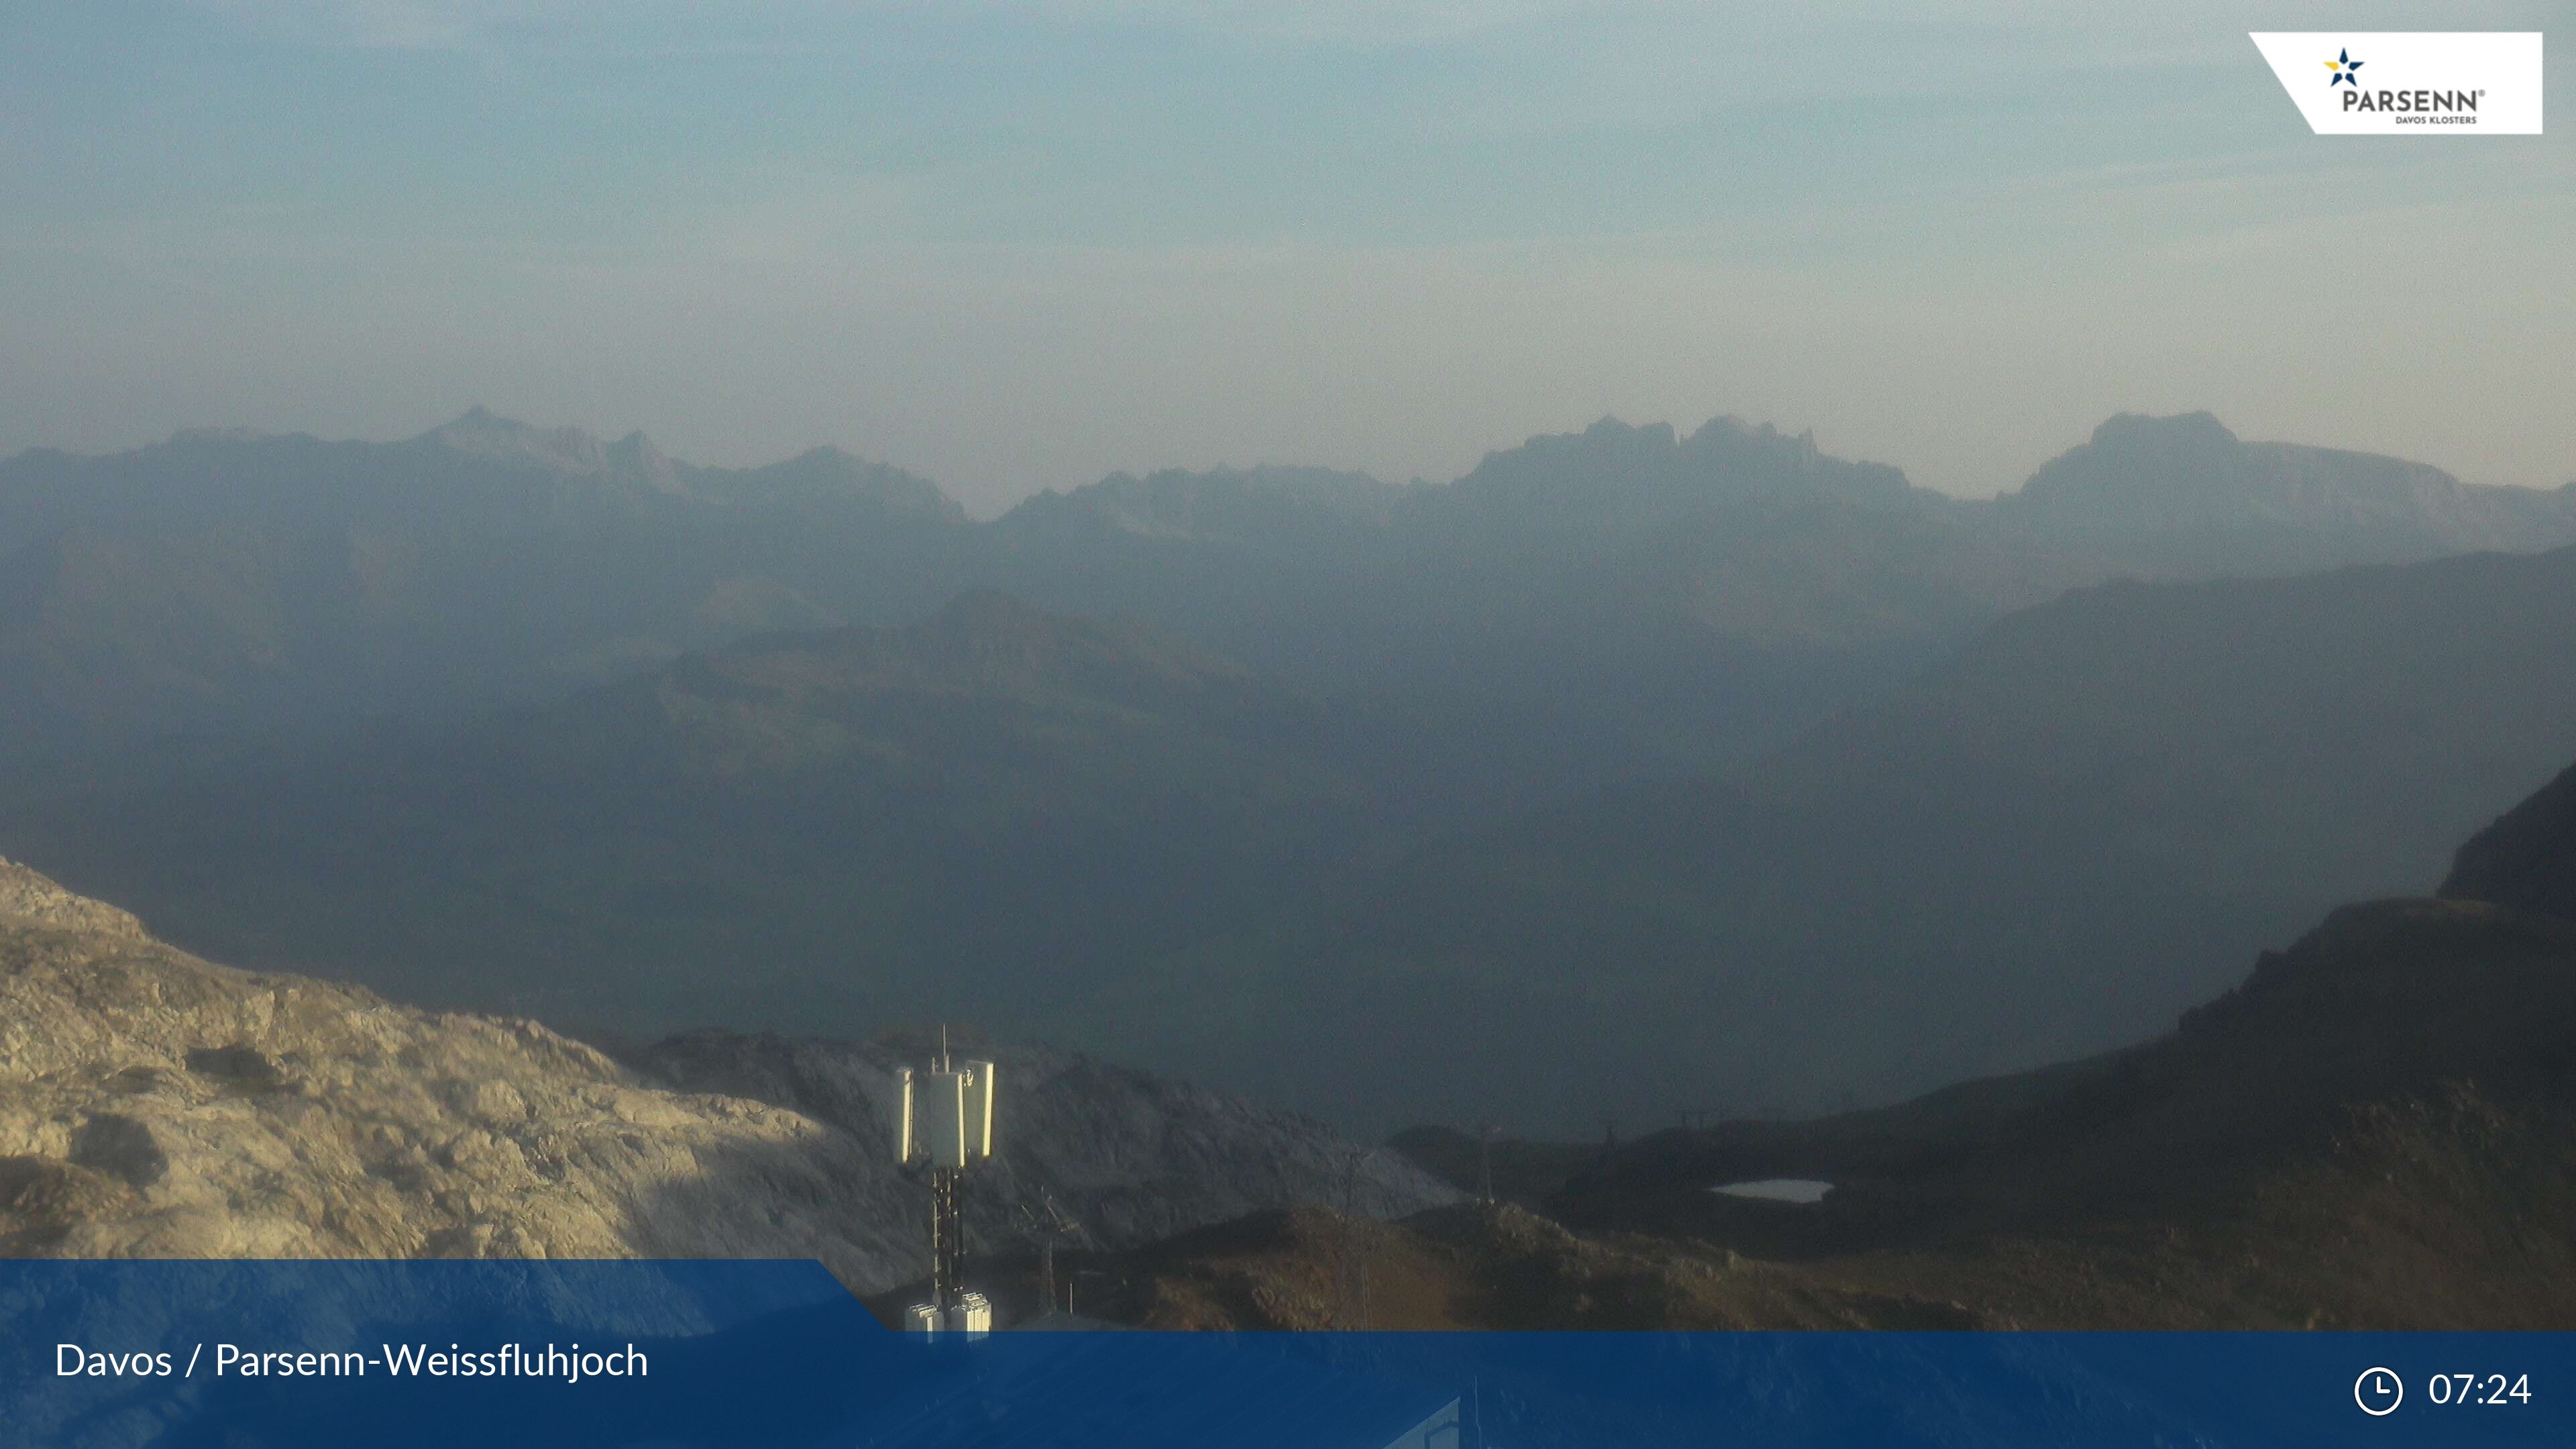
(481, 433)
(637, 451)
(2144, 454)
(2169, 430)
(1610, 429)
(1621, 477)
(817, 474)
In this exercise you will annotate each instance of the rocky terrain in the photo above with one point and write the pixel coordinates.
(1126, 1157)
(154, 1104)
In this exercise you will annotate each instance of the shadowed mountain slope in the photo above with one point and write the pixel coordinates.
(2377, 1129)
(2383, 1004)
(2527, 858)
(2048, 843)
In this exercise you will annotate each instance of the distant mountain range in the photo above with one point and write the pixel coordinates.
(1621, 603)
(220, 586)
(1628, 771)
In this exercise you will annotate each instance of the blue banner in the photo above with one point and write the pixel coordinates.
(626, 1355)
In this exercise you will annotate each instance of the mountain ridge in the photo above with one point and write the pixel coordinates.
(2202, 460)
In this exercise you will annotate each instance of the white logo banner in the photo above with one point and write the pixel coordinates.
(2365, 83)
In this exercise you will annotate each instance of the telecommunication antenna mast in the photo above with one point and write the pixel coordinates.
(947, 1125)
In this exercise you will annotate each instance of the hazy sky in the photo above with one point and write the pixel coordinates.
(1018, 243)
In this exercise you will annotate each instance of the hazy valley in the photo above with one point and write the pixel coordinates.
(2375, 1128)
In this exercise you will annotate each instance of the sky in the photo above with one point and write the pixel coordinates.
(1018, 244)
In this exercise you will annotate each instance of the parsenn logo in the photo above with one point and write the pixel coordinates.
(2458, 83)
(2347, 71)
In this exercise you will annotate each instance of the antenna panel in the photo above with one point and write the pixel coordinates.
(942, 1117)
(979, 1109)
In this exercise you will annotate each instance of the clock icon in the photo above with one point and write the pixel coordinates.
(2378, 1391)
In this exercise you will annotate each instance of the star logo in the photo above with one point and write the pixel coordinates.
(2344, 68)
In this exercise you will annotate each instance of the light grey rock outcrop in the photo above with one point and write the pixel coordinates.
(156, 1105)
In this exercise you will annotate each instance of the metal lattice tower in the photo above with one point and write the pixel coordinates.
(947, 1237)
